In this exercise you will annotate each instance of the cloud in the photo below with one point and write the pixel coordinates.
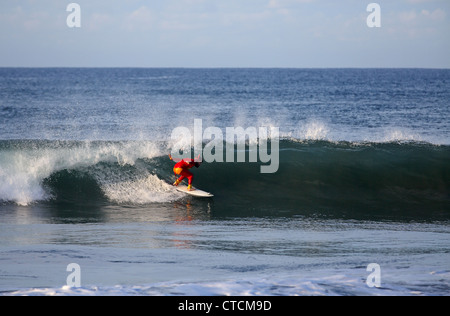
(436, 15)
(422, 17)
(141, 19)
(278, 4)
(99, 21)
(418, 1)
(407, 16)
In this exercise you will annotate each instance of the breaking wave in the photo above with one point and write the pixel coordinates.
(314, 177)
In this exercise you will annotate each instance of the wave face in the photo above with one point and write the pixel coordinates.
(408, 180)
(76, 172)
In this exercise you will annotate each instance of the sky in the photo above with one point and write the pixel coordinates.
(225, 33)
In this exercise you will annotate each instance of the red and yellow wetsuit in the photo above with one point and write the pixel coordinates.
(181, 169)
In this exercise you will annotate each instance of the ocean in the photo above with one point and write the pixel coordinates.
(359, 203)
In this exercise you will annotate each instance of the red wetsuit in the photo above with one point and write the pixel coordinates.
(181, 169)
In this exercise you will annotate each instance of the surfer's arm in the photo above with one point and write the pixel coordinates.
(189, 162)
(185, 159)
(174, 159)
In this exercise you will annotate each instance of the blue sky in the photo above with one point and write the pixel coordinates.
(225, 33)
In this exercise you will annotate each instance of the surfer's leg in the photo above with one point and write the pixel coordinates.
(178, 171)
(187, 174)
(183, 175)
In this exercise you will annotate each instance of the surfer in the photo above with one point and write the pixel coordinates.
(181, 169)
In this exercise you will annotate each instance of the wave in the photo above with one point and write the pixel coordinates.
(33, 171)
(409, 179)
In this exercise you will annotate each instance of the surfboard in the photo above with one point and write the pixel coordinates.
(196, 192)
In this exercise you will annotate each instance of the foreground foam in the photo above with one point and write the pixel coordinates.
(148, 189)
(337, 285)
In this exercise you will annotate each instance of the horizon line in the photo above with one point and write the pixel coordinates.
(212, 67)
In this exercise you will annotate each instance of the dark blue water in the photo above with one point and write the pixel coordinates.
(363, 178)
(123, 104)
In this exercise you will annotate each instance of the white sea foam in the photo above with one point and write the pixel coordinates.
(131, 189)
(337, 285)
(315, 130)
(400, 135)
(310, 130)
(23, 169)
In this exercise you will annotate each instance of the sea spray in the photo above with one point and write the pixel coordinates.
(24, 165)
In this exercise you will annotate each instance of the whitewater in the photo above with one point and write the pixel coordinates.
(27, 164)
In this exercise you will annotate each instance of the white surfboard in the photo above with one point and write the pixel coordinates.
(196, 192)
